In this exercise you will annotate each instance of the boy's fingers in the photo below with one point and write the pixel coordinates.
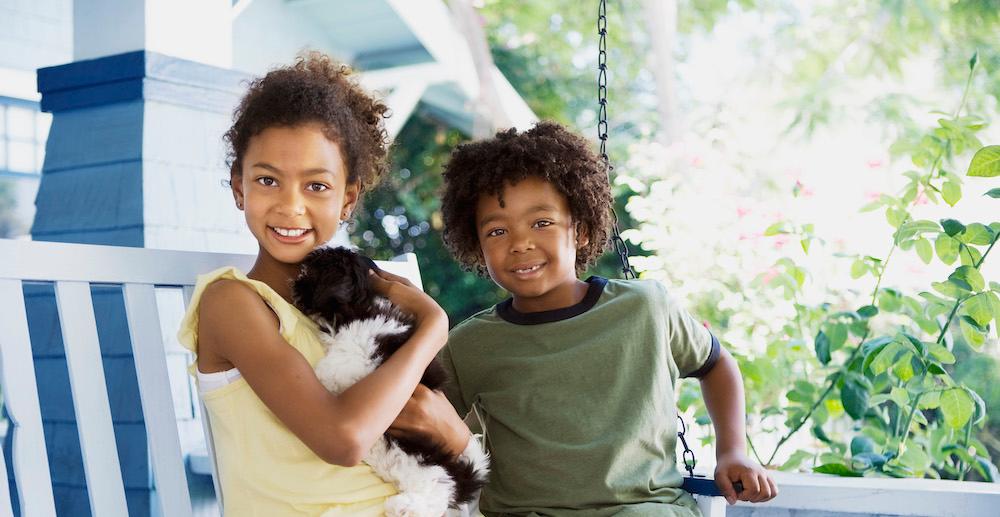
(726, 486)
(751, 487)
(385, 275)
(765, 489)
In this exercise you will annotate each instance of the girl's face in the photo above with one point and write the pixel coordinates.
(293, 189)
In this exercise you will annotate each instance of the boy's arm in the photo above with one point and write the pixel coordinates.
(722, 387)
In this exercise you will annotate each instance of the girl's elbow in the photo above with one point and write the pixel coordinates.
(346, 450)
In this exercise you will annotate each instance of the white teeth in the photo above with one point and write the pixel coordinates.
(527, 270)
(290, 233)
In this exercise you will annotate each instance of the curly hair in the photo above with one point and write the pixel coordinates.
(547, 151)
(315, 89)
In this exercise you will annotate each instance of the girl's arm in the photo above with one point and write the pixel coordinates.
(237, 326)
(722, 388)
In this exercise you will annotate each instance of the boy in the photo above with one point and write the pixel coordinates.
(573, 379)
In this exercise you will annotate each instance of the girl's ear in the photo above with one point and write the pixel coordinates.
(352, 193)
(236, 184)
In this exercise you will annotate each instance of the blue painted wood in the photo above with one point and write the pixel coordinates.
(138, 75)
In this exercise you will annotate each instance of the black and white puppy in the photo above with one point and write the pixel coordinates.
(362, 329)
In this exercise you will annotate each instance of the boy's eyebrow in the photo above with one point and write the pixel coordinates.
(537, 208)
(308, 172)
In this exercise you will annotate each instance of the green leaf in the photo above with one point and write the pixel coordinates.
(859, 268)
(900, 396)
(968, 278)
(974, 60)
(986, 162)
(942, 354)
(868, 460)
(969, 255)
(948, 289)
(885, 358)
(947, 248)
(795, 460)
(973, 336)
(956, 407)
(837, 334)
(952, 227)
(951, 192)
(924, 250)
(980, 308)
(822, 348)
(855, 397)
(936, 369)
(868, 311)
(775, 229)
(993, 193)
(896, 216)
(986, 469)
(913, 228)
(976, 233)
(837, 469)
(861, 444)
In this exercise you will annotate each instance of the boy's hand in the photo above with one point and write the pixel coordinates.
(403, 294)
(757, 483)
(429, 415)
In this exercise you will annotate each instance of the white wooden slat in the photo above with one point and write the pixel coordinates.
(157, 403)
(56, 261)
(90, 399)
(17, 375)
(711, 506)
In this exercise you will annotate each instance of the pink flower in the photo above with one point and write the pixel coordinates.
(921, 198)
(871, 195)
(742, 212)
(780, 241)
(769, 275)
(874, 163)
(696, 161)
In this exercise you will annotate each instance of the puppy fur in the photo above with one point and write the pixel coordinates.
(362, 329)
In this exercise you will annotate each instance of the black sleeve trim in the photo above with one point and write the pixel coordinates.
(713, 357)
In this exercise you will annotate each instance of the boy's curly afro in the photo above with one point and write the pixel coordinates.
(547, 151)
(315, 89)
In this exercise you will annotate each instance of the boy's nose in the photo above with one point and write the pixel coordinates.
(521, 244)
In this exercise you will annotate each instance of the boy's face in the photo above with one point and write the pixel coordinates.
(293, 188)
(529, 244)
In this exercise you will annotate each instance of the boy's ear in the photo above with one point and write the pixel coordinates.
(582, 235)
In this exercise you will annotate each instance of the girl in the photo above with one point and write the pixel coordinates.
(305, 144)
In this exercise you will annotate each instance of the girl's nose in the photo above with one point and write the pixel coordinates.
(291, 205)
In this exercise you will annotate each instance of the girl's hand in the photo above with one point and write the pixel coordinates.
(757, 483)
(429, 415)
(402, 293)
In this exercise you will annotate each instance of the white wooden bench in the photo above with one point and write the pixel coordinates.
(73, 268)
(141, 273)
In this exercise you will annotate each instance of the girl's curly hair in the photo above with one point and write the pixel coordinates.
(547, 151)
(315, 89)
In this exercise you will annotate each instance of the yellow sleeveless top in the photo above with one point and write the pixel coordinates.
(264, 469)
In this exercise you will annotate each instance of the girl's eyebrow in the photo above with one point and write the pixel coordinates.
(307, 172)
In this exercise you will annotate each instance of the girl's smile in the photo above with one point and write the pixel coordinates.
(293, 188)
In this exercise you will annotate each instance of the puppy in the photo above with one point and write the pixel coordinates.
(362, 329)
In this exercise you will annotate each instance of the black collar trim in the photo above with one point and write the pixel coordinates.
(505, 309)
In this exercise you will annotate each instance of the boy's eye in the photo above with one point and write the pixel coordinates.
(267, 181)
(495, 232)
(317, 187)
(543, 223)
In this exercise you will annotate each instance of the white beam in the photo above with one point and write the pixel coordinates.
(432, 25)
(402, 102)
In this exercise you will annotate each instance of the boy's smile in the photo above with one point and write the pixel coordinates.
(529, 242)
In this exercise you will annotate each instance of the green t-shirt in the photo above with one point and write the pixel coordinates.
(578, 403)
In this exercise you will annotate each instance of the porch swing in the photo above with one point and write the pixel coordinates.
(695, 484)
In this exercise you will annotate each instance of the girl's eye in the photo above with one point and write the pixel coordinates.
(267, 181)
(496, 232)
(318, 187)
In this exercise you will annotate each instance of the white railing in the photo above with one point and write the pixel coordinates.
(73, 268)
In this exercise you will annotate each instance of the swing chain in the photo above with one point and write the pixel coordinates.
(689, 461)
(621, 248)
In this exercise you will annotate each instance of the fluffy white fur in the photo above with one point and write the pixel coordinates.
(424, 491)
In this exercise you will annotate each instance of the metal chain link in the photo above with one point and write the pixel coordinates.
(621, 248)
